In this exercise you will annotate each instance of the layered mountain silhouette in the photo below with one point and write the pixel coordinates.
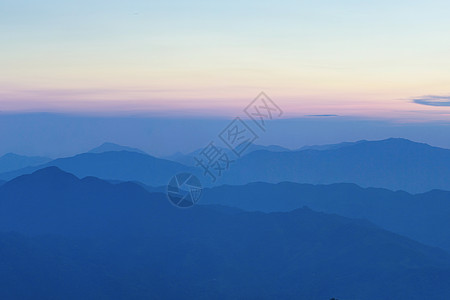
(395, 164)
(423, 217)
(11, 161)
(114, 165)
(90, 239)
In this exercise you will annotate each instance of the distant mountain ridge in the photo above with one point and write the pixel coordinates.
(396, 164)
(108, 147)
(11, 161)
(114, 165)
(89, 239)
(331, 146)
(189, 158)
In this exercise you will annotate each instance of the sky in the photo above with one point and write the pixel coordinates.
(376, 59)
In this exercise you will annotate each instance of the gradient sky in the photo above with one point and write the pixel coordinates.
(371, 58)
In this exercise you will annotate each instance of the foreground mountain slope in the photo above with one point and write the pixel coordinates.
(118, 241)
(395, 164)
(114, 165)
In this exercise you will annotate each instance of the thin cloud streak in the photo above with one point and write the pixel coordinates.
(320, 116)
(433, 100)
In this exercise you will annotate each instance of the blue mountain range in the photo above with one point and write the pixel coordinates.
(395, 164)
(423, 217)
(90, 239)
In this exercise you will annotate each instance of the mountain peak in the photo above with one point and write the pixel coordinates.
(108, 147)
(49, 176)
(397, 142)
(10, 155)
(52, 170)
